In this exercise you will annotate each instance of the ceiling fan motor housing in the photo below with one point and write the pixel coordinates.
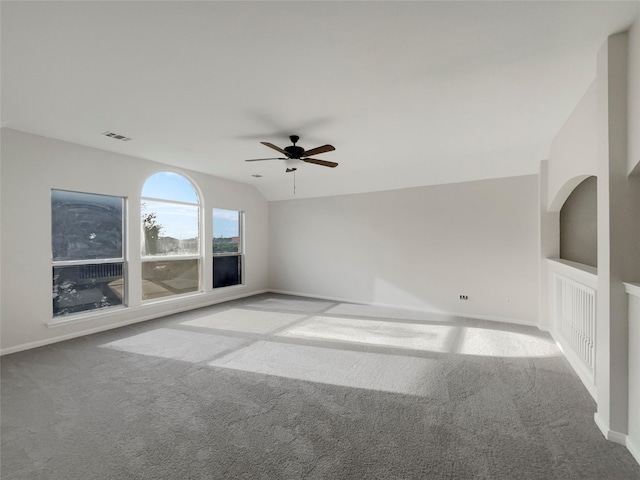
(294, 151)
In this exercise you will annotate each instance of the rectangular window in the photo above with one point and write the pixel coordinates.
(227, 247)
(87, 249)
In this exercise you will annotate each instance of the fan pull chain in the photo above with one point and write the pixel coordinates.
(294, 182)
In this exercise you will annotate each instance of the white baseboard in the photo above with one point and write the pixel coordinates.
(578, 366)
(178, 307)
(319, 297)
(146, 312)
(425, 310)
(633, 448)
(611, 435)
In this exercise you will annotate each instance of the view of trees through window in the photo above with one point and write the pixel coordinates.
(170, 214)
(225, 245)
(87, 251)
(178, 237)
(88, 245)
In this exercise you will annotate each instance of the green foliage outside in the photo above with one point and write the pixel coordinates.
(225, 245)
(151, 233)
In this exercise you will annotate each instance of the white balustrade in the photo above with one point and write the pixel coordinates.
(576, 317)
(573, 299)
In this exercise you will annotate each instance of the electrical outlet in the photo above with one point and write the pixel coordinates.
(464, 297)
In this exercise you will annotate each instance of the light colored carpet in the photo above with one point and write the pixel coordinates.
(278, 387)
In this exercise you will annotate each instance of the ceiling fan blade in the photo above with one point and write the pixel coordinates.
(317, 161)
(271, 145)
(261, 159)
(317, 150)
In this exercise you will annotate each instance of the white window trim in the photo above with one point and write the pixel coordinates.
(70, 263)
(172, 258)
(240, 253)
(168, 258)
(165, 200)
(90, 314)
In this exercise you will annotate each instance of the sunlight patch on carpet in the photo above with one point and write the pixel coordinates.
(372, 371)
(424, 337)
(498, 343)
(433, 338)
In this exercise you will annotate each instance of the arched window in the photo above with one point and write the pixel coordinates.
(171, 257)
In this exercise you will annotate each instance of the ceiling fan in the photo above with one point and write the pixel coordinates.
(294, 152)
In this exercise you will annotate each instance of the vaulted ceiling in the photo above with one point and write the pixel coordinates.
(409, 93)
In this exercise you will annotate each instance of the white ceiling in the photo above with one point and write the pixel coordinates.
(409, 93)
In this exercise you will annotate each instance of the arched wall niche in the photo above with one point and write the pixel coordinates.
(578, 221)
(563, 192)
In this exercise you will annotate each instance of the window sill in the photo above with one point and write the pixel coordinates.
(230, 287)
(153, 308)
(85, 316)
(579, 272)
(116, 311)
(171, 298)
(632, 288)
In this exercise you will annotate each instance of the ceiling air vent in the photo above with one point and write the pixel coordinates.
(117, 136)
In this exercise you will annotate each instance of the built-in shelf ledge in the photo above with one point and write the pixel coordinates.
(632, 288)
(580, 272)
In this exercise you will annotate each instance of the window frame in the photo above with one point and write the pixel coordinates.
(145, 258)
(241, 248)
(123, 260)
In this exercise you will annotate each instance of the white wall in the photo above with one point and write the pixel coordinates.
(417, 247)
(574, 151)
(614, 224)
(633, 113)
(31, 167)
(573, 157)
(633, 86)
(597, 139)
(633, 442)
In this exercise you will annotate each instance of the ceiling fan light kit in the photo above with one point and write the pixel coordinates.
(294, 152)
